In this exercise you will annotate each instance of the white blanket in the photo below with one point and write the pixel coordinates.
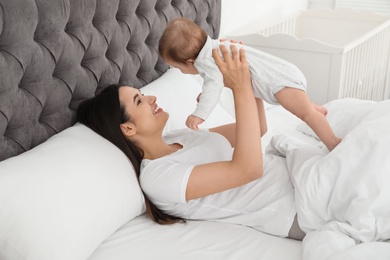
(343, 197)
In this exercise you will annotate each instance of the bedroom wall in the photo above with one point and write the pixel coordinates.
(240, 17)
(376, 6)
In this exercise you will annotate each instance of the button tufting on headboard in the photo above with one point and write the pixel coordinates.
(56, 53)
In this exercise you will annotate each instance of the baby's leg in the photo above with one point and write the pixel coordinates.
(297, 102)
(262, 117)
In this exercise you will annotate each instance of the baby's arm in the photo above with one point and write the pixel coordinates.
(211, 90)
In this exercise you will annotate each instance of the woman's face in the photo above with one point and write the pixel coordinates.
(146, 116)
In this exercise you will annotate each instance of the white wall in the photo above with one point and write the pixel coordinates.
(238, 17)
(376, 6)
(322, 4)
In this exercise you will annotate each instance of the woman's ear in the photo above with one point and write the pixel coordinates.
(128, 129)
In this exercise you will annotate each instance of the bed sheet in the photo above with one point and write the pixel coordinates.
(141, 238)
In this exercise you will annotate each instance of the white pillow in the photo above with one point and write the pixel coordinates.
(176, 94)
(61, 199)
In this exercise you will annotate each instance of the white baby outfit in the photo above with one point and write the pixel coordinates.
(266, 204)
(269, 75)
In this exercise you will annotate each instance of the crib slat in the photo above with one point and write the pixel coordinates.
(377, 75)
(365, 69)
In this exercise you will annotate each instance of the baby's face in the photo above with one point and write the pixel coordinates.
(185, 68)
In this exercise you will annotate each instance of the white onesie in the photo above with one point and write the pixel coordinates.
(269, 74)
(266, 204)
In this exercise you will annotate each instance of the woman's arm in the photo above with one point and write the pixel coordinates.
(246, 164)
(229, 130)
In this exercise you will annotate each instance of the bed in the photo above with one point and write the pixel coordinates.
(67, 193)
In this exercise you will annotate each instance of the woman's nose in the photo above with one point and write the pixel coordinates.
(152, 99)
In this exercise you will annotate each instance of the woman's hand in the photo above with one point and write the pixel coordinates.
(234, 68)
(232, 41)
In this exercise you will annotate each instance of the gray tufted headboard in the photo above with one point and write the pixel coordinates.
(56, 53)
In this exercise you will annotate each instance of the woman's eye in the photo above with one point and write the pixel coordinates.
(139, 99)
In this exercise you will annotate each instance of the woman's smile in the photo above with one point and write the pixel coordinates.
(157, 109)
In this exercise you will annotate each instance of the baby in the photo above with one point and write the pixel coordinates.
(186, 46)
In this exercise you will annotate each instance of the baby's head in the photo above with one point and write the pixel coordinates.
(181, 43)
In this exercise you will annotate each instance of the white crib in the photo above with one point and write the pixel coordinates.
(342, 52)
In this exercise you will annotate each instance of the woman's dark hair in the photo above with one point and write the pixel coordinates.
(104, 114)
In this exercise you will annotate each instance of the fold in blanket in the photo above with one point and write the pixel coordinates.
(343, 197)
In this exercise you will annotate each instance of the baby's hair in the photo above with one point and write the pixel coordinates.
(182, 40)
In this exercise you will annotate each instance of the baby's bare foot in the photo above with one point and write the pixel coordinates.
(337, 140)
(321, 109)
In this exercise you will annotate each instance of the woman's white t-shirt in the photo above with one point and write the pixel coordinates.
(266, 204)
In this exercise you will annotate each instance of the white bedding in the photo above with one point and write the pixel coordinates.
(343, 197)
(143, 239)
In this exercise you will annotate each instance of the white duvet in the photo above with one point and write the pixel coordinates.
(343, 197)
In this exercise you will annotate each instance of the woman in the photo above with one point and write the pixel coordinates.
(195, 174)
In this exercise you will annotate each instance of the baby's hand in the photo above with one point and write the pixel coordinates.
(193, 122)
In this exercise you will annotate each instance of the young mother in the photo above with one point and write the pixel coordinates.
(197, 175)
